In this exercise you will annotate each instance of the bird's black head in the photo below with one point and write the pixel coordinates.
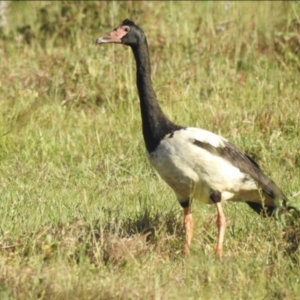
(127, 33)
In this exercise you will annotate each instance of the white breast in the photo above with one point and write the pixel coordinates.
(192, 171)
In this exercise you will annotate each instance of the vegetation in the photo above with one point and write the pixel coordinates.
(83, 215)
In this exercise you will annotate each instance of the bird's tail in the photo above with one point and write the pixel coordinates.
(266, 211)
(282, 206)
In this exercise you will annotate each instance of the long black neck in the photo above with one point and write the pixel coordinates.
(155, 123)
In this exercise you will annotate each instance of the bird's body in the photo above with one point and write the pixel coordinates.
(203, 170)
(195, 163)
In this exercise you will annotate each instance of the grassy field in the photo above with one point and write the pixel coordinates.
(83, 215)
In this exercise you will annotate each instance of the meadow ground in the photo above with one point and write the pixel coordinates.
(82, 214)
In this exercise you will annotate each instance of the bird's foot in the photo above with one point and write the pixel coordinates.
(186, 250)
(219, 252)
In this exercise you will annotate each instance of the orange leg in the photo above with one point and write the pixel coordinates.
(188, 226)
(221, 223)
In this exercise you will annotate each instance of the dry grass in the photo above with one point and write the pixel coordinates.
(83, 216)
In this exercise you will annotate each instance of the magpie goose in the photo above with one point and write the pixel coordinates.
(195, 163)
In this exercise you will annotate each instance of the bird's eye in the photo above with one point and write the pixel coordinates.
(126, 29)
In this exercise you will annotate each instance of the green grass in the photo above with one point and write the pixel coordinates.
(82, 214)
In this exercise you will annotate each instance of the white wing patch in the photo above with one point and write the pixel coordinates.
(203, 136)
(193, 171)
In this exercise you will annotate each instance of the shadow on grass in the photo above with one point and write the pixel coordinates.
(119, 241)
(291, 236)
(116, 241)
(143, 233)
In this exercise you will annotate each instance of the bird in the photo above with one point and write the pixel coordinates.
(197, 164)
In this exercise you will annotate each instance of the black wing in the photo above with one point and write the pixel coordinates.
(248, 166)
